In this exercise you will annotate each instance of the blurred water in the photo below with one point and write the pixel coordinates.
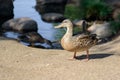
(25, 8)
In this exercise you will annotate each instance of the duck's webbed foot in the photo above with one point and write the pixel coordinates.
(74, 57)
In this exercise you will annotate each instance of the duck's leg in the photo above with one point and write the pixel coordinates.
(87, 57)
(74, 56)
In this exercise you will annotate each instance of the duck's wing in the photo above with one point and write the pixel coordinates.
(82, 36)
(82, 40)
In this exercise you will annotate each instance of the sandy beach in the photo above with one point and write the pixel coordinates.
(19, 62)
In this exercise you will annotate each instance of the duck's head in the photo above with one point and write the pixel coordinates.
(65, 23)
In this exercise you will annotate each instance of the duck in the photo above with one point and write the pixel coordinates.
(76, 43)
(34, 37)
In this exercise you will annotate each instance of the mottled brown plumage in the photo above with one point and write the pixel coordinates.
(77, 43)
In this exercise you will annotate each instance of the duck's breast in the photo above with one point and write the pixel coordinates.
(67, 44)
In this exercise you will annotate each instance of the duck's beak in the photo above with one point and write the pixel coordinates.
(59, 26)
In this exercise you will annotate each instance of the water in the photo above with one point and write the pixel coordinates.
(25, 8)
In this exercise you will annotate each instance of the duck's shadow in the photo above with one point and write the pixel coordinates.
(94, 56)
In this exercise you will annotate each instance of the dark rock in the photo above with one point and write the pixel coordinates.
(74, 2)
(116, 11)
(34, 37)
(48, 6)
(115, 4)
(116, 14)
(20, 25)
(51, 6)
(53, 17)
(6, 10)
(111, 2)
(57, 45)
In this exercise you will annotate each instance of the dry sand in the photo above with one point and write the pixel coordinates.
(19, 62)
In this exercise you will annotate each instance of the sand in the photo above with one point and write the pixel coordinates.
(19, 62)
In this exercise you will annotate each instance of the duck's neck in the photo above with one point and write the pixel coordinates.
(69, 31)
